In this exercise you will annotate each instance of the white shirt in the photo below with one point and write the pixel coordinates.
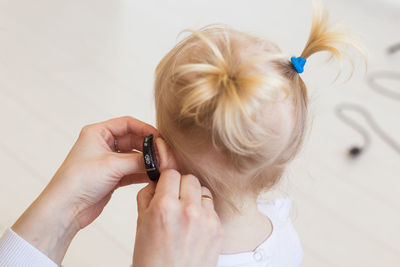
(281, 249)
(16, 252)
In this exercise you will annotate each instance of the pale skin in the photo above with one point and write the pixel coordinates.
(243, 232)
(173, 217)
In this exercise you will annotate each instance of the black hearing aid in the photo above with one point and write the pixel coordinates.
(150, 159)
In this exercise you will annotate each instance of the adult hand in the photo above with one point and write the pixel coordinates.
(177, 227)
(84, 183)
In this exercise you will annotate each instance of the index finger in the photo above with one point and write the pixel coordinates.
(128, 125)
(124, 126)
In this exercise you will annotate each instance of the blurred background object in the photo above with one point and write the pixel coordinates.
(65, 64)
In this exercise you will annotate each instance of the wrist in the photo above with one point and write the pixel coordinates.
(48, 225)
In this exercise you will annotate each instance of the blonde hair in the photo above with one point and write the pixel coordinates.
(233, 107)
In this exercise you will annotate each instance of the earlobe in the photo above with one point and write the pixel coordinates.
(166, 158)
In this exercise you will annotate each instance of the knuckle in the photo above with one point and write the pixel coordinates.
(89, 129)
(85, 129)
(192, 212)
(164, 204)
(164, 209)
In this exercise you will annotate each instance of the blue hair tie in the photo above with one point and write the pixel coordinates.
(298, 63)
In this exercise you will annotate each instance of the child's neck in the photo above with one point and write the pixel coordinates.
(246, 231)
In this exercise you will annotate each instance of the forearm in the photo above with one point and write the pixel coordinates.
(47, 226)
(83, 185)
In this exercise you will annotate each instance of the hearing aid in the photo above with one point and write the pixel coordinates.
(150, 158)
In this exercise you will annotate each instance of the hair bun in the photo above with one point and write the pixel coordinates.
(221, 92)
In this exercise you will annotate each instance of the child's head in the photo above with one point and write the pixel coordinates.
(234, 109)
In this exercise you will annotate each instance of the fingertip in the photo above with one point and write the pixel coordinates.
(193, 180)
(165, 155)
(169, 183)
(170, 173)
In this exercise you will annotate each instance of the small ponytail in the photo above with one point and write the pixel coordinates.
(323, 37)
(327, 37)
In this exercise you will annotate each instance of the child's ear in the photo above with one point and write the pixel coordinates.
(166, 158)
